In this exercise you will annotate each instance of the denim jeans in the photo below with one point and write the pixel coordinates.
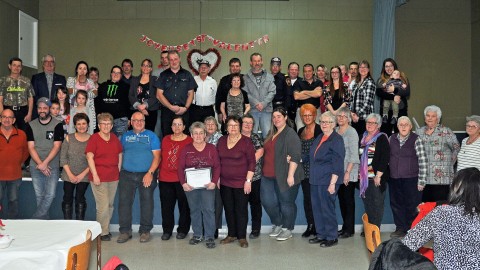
(280, 206)
(202, 211)
(323, 206)
(263, 122)
(45, 188)
(10, 189)
(120, 126)
(127, 186)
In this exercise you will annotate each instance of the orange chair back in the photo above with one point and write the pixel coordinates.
(79, 255)
(372, 234)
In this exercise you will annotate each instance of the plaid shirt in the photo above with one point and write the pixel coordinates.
(441, 148)
(422, 158)
(363, 98)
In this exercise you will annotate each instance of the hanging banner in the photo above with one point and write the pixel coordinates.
(229, 46)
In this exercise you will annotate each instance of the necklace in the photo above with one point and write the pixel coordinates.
(470, 141)
(234, 140)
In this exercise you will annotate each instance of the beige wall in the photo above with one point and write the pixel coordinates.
(9, 30)
(431, 35)
(475, 57)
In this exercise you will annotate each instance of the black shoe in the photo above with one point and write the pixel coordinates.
(181, 235)
(254, 234)
(166, 236)
(316, 240)
(345, 235)
(362, 234)
(329, 243)
(106, 237)
(385, 119)
(216, 234)
(340, 232)
(393, 121)
(309, 231)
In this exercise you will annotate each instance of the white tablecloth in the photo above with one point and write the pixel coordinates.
(43, 244)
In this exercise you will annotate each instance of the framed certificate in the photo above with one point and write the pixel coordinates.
(198, 178)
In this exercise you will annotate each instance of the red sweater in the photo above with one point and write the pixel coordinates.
(170, 155)
(236, 162)
(13, 152)
(190, 157)
(106, 157)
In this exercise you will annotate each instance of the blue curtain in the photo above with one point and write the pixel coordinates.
(383, 36)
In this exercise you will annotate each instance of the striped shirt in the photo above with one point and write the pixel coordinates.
(469, 155)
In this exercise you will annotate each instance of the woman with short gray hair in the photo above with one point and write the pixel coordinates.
(441, 146)
(468, 155)
(374, 171)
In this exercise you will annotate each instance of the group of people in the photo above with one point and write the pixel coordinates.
(275, 132)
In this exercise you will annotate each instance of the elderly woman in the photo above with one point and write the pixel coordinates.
(142, 94)
(455, 227)
(254, 197)
(104, 156)
(469, 152)
(336, 93)
(307, 135)
(408, 173)
(363, 96)
(212, 137)
(346, 191)
(399, 97)
(374, 172)
(237, 159)
(281, 177)
(169, 184)
(200, 155)
(441, 146)
(327, 156)
(75, 168)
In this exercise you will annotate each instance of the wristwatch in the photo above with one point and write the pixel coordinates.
(249, 180)
(151, 172)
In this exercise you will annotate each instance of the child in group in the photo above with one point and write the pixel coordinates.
(81, 106)
(55, 113)
(398, 81)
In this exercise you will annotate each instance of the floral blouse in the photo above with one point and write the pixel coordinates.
(442, 148)
(337, 100)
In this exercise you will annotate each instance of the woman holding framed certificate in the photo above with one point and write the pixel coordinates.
(237, 159)
(198, 172)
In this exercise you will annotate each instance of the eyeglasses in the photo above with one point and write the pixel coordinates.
(326, 122)
(307, 115)
(469, 126)
(177, 124)
(105, 124)
(371, 123)
(334, 72)
(198, 133)
(8, 117)
(388, 66)
(248, 123)
(138, 120)
(233, 125)
(117, 73)
(341, 116)
(146, 66)
(403, 125)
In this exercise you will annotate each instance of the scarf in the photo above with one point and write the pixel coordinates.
(364, 161)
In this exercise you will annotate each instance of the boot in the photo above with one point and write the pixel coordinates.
(67, 210)
(80, 209)
(309, 231)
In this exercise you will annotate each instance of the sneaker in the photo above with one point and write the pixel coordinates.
(394, 120)
(124, 237)
(210, 243)
(195, 240)
(385, 119)
(276, 230)
(284, 235)
(144, 237)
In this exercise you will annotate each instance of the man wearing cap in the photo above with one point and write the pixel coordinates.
(13, 152)
(260, 87)
(175, 90)
(204, 100)
(44, 136)
(280, 98)
(16, 93)
(46, 83)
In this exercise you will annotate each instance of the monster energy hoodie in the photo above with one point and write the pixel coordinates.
(113, 98)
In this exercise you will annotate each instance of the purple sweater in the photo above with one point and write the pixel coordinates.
(190, 157)
(236, 162)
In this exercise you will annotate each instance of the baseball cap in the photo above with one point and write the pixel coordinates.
(44, 100)
(276, 61)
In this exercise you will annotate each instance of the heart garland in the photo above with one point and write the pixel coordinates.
(196, 56)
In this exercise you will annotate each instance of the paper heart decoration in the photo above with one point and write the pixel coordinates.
(212, 56)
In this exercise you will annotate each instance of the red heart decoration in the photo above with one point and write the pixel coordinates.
(212, 56)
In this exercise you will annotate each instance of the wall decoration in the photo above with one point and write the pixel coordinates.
(196, 56)
(229, 46)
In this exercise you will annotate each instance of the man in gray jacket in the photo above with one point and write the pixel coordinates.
(260, 87)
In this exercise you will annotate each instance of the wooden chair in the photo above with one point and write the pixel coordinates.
(372, 235)
(79, 255)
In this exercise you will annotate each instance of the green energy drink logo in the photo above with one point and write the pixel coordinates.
(112, 90)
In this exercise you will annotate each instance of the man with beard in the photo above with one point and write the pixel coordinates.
(260, 87)
(280, 98)
(164, 64)
(44, 137)
(113, 98)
